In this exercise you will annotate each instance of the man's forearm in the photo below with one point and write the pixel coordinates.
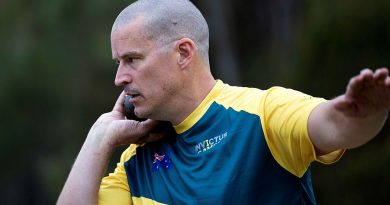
(330, 129)
(83, 182)
(352, 132)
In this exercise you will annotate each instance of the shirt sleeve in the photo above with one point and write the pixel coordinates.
(114, 188)
(285, 115)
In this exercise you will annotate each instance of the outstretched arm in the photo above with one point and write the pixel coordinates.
(108, 132)
(354, 118)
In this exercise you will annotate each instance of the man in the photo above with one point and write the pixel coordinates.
(234, 145)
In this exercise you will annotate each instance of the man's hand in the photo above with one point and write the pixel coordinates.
(108, 132)
(112, 129)
(367, 94)
(354, 118)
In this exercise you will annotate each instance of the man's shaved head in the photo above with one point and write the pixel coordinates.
(168, 20)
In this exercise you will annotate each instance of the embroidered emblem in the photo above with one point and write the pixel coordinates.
(162, 161)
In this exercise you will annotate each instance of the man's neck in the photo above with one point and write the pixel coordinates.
(197, 91)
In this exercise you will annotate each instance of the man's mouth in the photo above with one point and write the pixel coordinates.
(133, 97)
(133, 93)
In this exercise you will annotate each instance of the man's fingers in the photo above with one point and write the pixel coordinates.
(357, 83)
(366, 93)
(149, 124)
(366, 71)
(368, 77)
(130, 131)
(364, 79)
(145, 128)
(119, 103)
(380, 76)
(387, 82)
(156, 131)
(139, 128)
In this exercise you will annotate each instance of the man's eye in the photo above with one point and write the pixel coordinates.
(117, 62)
(129, 60)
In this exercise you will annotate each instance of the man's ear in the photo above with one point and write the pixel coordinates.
(186, 49)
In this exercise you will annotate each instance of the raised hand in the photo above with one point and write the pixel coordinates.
(367, 94)
(355, 117)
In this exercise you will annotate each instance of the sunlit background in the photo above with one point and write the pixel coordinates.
(56, 78)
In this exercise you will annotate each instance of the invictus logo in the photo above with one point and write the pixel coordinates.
(210, 143)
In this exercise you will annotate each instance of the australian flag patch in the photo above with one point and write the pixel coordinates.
(162, 161)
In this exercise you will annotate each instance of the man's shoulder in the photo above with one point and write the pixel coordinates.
(243, 93)
(241, 98)
(235, 90)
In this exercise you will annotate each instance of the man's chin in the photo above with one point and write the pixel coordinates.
(139, 112)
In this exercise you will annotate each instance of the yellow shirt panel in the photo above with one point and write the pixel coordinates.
(114, 188)
(285, 117)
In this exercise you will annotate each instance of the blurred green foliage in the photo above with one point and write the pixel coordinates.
(56, 78)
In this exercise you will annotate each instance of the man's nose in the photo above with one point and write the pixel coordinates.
(122, 77)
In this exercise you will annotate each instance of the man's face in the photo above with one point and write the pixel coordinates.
(146, 70)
